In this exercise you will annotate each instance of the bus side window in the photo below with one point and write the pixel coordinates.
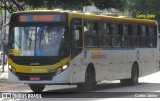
(90, 34)
(135, 39)
(147, 35)
(143, 37)
(130, 34)
(107, 35)
(155, 36)
(102, 34)
(139, 32)
(116, 39)
(125, 36)
(120, 29)
(110, 27)
(152, 36)
(87, 32)
(120, 33)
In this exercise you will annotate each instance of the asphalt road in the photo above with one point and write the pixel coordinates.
(147, 89)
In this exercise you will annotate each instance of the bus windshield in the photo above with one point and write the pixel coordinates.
(40, 40)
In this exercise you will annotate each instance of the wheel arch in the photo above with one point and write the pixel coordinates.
(89, 82)
(91, 66)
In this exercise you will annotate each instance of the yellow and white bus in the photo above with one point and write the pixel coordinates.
(68, 47)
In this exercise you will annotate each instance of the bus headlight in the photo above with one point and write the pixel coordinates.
(9, 66)
(13, 70)
(60, 69)
(64, 67)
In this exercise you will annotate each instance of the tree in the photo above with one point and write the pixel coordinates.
(76, 4)
(1, 9)
(105, 4)
(65, 4)
(34, 3)
(12, 5)
(144, 7)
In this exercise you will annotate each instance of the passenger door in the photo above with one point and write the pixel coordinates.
(76, 33)
(76, 49)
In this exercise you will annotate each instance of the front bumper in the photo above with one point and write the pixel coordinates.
(62, 78)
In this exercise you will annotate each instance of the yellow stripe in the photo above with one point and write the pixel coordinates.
(93, 49)
(38, 69)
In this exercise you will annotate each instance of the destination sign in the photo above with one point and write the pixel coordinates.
(38, 18)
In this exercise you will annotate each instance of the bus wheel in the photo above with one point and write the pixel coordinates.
(36, 87)
(134, 76)
(89, 83)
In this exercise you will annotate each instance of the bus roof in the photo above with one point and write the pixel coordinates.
(92, 15)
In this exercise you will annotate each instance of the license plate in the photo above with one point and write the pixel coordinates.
(35, 78)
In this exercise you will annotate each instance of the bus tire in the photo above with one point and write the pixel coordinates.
(134, 76)
(90, 82)
(36, 87)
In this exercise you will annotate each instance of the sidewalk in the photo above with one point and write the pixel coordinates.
(5, 85)
(4, 77)
(5, 73)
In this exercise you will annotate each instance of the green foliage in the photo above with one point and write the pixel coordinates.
(104, 4)
(14, 5)
(11, 5)
(144, 7)
(65, 4)
(76, 4)
(1, 9)
(34, 3)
